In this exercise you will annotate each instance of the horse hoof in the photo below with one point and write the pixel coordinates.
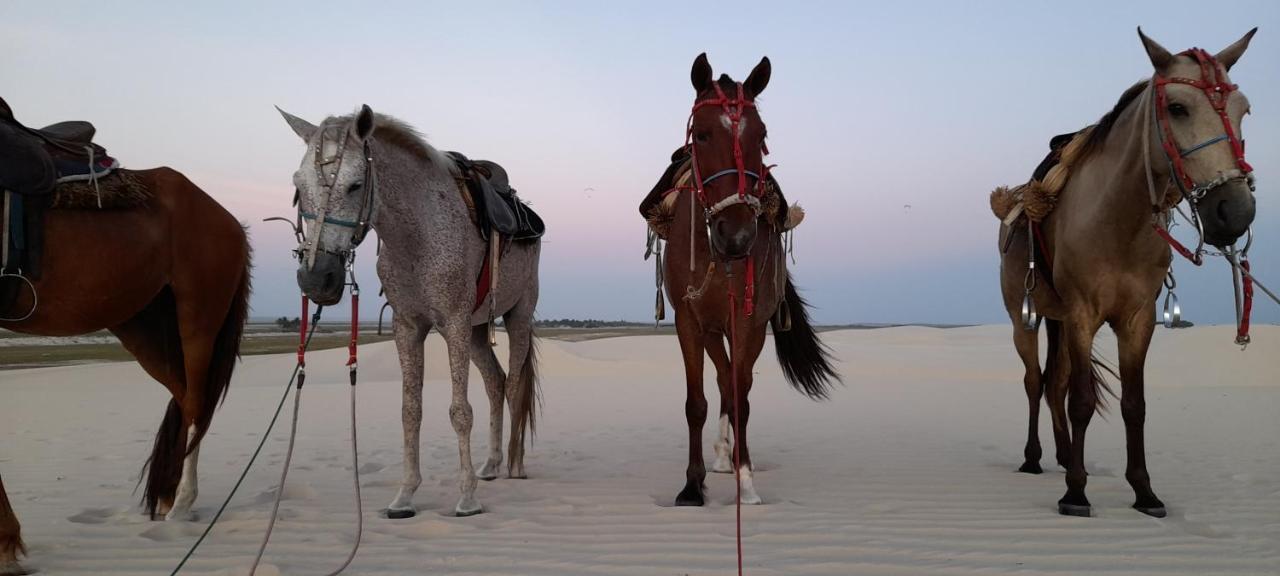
(751, 499)
(11, 568)
(1080, 510)
(488, 472)
(690, 496)
(1155, 511)
(401, 514)
(464, 509)
(1031, 468)
(722, 466)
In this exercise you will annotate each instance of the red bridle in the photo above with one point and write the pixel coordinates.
(1213, 83)
(733, 109)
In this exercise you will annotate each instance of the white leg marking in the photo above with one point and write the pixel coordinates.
(187, 488)
(749, 495)
(724, 448)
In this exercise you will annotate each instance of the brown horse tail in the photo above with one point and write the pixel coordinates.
(527, 393)
(163, 470)
(805, 360)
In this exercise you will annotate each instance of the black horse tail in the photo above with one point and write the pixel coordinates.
(806, 361)
(1098, 369)
(524, 412)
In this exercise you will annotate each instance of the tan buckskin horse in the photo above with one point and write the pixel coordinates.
(170, 278)
(1102, 253)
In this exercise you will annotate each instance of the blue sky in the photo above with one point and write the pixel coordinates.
(871, 107)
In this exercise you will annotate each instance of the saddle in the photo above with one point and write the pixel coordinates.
(33, 162)
(497, 207)
(656, 206)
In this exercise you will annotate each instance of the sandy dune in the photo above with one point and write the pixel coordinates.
(908, 470)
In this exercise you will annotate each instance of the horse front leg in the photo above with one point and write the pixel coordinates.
(10, 537)
(1081, 404)
(745, 353)
(409, 337)
(1134, 338)
(458, 339)
(714, 344)
(695, 410)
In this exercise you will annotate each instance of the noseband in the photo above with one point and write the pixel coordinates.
(1213, 83)
(327, 170)
(733, 109)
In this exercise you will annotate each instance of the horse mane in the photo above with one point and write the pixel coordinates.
(400, 134)
(1098, 135)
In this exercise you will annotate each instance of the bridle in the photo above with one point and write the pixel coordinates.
(1213, 84)
(733, 109)
(327, 170)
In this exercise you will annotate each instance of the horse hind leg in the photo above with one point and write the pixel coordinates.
(10, 537)
(1027, 344)
(151, 336)
(522, 382)
(723, 464)
(494, 386)
(1057, 370)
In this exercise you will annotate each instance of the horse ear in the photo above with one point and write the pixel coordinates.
(1160, 58)
(759, 77)
(1231, 54)
(305, 130)
(364, 122)
(701, 73)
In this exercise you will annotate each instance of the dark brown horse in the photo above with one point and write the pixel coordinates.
(169, 276)
(725, 271)
(1100, 249)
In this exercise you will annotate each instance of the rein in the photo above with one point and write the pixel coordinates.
(352, 364)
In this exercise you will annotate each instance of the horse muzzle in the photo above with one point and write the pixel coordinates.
(730, 239)
(1227, 211)
(325, 281)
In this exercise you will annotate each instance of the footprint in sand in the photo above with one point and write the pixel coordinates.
(172, 531)
(371, 468)
(95, 515)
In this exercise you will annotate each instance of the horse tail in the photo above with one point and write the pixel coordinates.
(805, 360)
(164, 468)
(527, 393)
(1098, 371)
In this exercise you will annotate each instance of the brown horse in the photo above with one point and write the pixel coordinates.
(169, 276)
(725, 271)
(1100, 253)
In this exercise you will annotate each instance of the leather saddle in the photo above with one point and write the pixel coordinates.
(496, 203)
(35, 160)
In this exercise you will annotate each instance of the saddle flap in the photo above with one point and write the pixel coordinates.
(25, 167)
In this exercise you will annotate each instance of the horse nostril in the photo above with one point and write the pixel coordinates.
(1223, 215)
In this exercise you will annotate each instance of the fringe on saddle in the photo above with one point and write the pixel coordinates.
(119, 190)
(1039, 196)
(663, 213)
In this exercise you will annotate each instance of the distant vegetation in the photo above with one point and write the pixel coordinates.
(571, 323)
(287, 325)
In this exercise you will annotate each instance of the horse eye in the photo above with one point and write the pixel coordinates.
(1178, 110)
(702, 137)
(354, 188)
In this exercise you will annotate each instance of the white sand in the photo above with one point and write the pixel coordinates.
(908, 470)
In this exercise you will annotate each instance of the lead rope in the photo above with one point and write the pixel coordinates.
(737, 422)
(352, 365)
(297, 372)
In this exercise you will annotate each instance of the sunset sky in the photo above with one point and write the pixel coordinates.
(890, 122)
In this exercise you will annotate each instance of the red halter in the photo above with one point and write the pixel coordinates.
(1213, 83)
